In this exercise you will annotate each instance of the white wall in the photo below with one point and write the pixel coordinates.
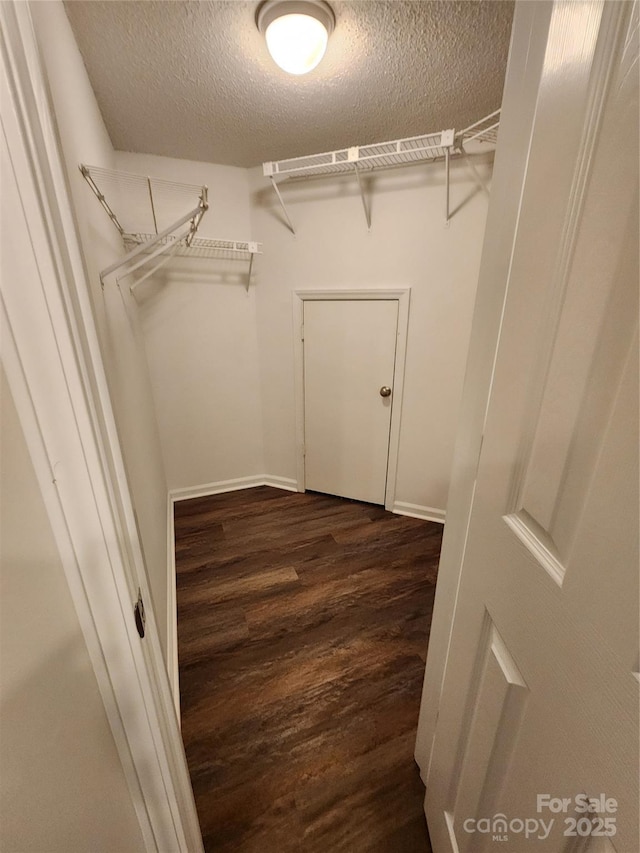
(62, 787)
(200, 331)
(84, 139)
(408, 247)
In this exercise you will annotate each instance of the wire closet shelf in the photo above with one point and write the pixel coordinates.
(148, 213)
(426, 148)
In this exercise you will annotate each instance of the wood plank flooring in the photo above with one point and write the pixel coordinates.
(302, 626)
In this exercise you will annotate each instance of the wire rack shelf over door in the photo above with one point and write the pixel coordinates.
(427, 148)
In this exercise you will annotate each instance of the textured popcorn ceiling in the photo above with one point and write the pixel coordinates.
(194, 79)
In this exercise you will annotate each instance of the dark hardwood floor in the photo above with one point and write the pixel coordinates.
(303, 622)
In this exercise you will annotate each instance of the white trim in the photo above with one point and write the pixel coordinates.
(54, 369)
(285, 483)
(426, 513)
(221, 486)
(402, 296)
(217, 488)
(173, 668)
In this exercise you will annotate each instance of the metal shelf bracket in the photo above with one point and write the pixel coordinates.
(143, 203)
(353, 157)
(282, 205)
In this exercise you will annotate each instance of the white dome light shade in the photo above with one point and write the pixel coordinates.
(296, 32)
(296, 42)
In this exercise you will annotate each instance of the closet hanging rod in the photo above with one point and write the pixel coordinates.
(194, 215)
(154, 269)
(146, 253)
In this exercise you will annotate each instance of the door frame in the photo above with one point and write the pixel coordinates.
(400, 295)
(54, 369)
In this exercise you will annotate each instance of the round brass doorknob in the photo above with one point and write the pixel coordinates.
(385, 391)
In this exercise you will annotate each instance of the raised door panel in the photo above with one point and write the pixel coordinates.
(494, 716)
(349, 355)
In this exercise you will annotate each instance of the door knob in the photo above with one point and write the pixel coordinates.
(385, 391)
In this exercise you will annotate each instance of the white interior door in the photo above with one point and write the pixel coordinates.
(539, 703)
(349, 359)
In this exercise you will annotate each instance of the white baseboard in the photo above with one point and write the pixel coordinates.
(426, 513)
(216, 488)
(285, 483)
(222, 486)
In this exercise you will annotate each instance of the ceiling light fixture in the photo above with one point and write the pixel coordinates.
(296, 32)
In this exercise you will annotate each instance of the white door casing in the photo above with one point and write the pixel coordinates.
(51, 356)
(540, 689)
(342, 407)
